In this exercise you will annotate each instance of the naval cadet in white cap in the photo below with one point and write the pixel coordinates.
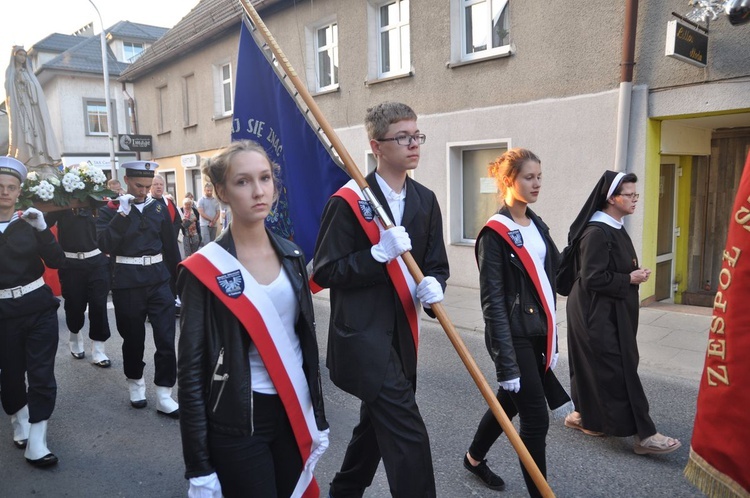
(28, 328)
(137, 233)
(84, 280)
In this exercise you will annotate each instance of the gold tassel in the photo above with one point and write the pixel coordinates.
(710, 481)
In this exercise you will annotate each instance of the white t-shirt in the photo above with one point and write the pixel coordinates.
(534, 242)
(281, 293)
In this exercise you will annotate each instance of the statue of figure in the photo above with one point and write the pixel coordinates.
(32, 140)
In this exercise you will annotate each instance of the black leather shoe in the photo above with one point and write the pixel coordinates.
(103, 364)
(175, 414)
(46, 461)
(20, 444)
(141, 403)
(78, 356)
(483, 472)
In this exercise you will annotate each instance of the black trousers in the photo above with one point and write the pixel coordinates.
(265, 464)
(131, 308)
(87, 286)
(28, 345)
(529, 403)
(392, 427)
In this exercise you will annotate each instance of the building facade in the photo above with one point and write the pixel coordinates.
(484, 76)
(69, 68)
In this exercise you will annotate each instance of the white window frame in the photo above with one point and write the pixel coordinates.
(101, 117)
(164, 175)
(220, 82)
(459, 53)
(454, 153)
(374, 32)
(312, 51)
(135, 57)
(188, 175)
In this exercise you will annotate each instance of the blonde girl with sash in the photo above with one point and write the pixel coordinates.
(517, 263)
(251, 413)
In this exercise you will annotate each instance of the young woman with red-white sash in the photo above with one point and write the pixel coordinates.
(517, 262)
(251, 413)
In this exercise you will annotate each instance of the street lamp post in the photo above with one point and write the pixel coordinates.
(107, 101)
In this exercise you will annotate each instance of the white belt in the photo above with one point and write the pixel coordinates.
(83, 255)
(140, 260)
(16, 292)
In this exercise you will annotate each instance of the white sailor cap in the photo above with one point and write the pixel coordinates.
(12, 166)
(143, 169)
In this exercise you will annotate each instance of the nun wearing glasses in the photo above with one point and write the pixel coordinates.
(602, 312)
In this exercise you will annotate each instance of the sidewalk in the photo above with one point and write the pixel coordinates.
(671, 338)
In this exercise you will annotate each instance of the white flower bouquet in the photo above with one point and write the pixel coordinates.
(74, 186)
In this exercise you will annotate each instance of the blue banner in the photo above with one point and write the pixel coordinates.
(265, 111)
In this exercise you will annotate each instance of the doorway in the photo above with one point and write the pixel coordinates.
(666, 231)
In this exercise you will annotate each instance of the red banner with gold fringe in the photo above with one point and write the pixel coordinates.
(719, 464)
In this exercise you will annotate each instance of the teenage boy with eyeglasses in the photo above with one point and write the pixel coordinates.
(373, 334)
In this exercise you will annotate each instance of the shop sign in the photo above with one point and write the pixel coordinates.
(686, 44)
(135, 143)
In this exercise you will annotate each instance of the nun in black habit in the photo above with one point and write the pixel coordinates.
(602, 314)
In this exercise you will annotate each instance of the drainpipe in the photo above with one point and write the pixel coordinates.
(626, 85)
(131, 107)
(133, 117)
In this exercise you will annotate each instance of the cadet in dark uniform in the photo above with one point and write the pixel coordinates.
(137, 233)
(84, 279)
(28, 328)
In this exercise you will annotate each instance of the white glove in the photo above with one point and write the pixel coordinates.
(393, 242)
(429, 291)
(512, 385)
(205, 487)
(35, 218)
(312, 460)
(125, 201)
(553, 363)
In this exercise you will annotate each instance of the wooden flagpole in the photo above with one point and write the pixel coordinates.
(411, 264)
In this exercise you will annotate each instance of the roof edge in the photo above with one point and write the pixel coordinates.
(135, 71)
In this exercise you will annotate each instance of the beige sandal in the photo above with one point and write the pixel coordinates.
(574, 421)
(658, 444)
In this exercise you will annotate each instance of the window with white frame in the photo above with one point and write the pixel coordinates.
(473, 193)
(326, 42)
(170, 185)
(482, 29)
(194, 182)
(389, 39)
(96, 117)
(131, 51)
(223, 90)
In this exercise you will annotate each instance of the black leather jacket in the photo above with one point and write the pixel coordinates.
(510, 304)
(213, 345)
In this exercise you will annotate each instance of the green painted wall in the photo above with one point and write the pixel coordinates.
(650, 206)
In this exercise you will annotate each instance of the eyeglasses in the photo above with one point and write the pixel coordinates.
(405, 139)
(633, 197)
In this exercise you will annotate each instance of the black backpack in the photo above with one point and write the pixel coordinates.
(569, 269)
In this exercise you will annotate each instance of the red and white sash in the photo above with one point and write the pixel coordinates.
(535, 268)
(229, 281)
(403, 282)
